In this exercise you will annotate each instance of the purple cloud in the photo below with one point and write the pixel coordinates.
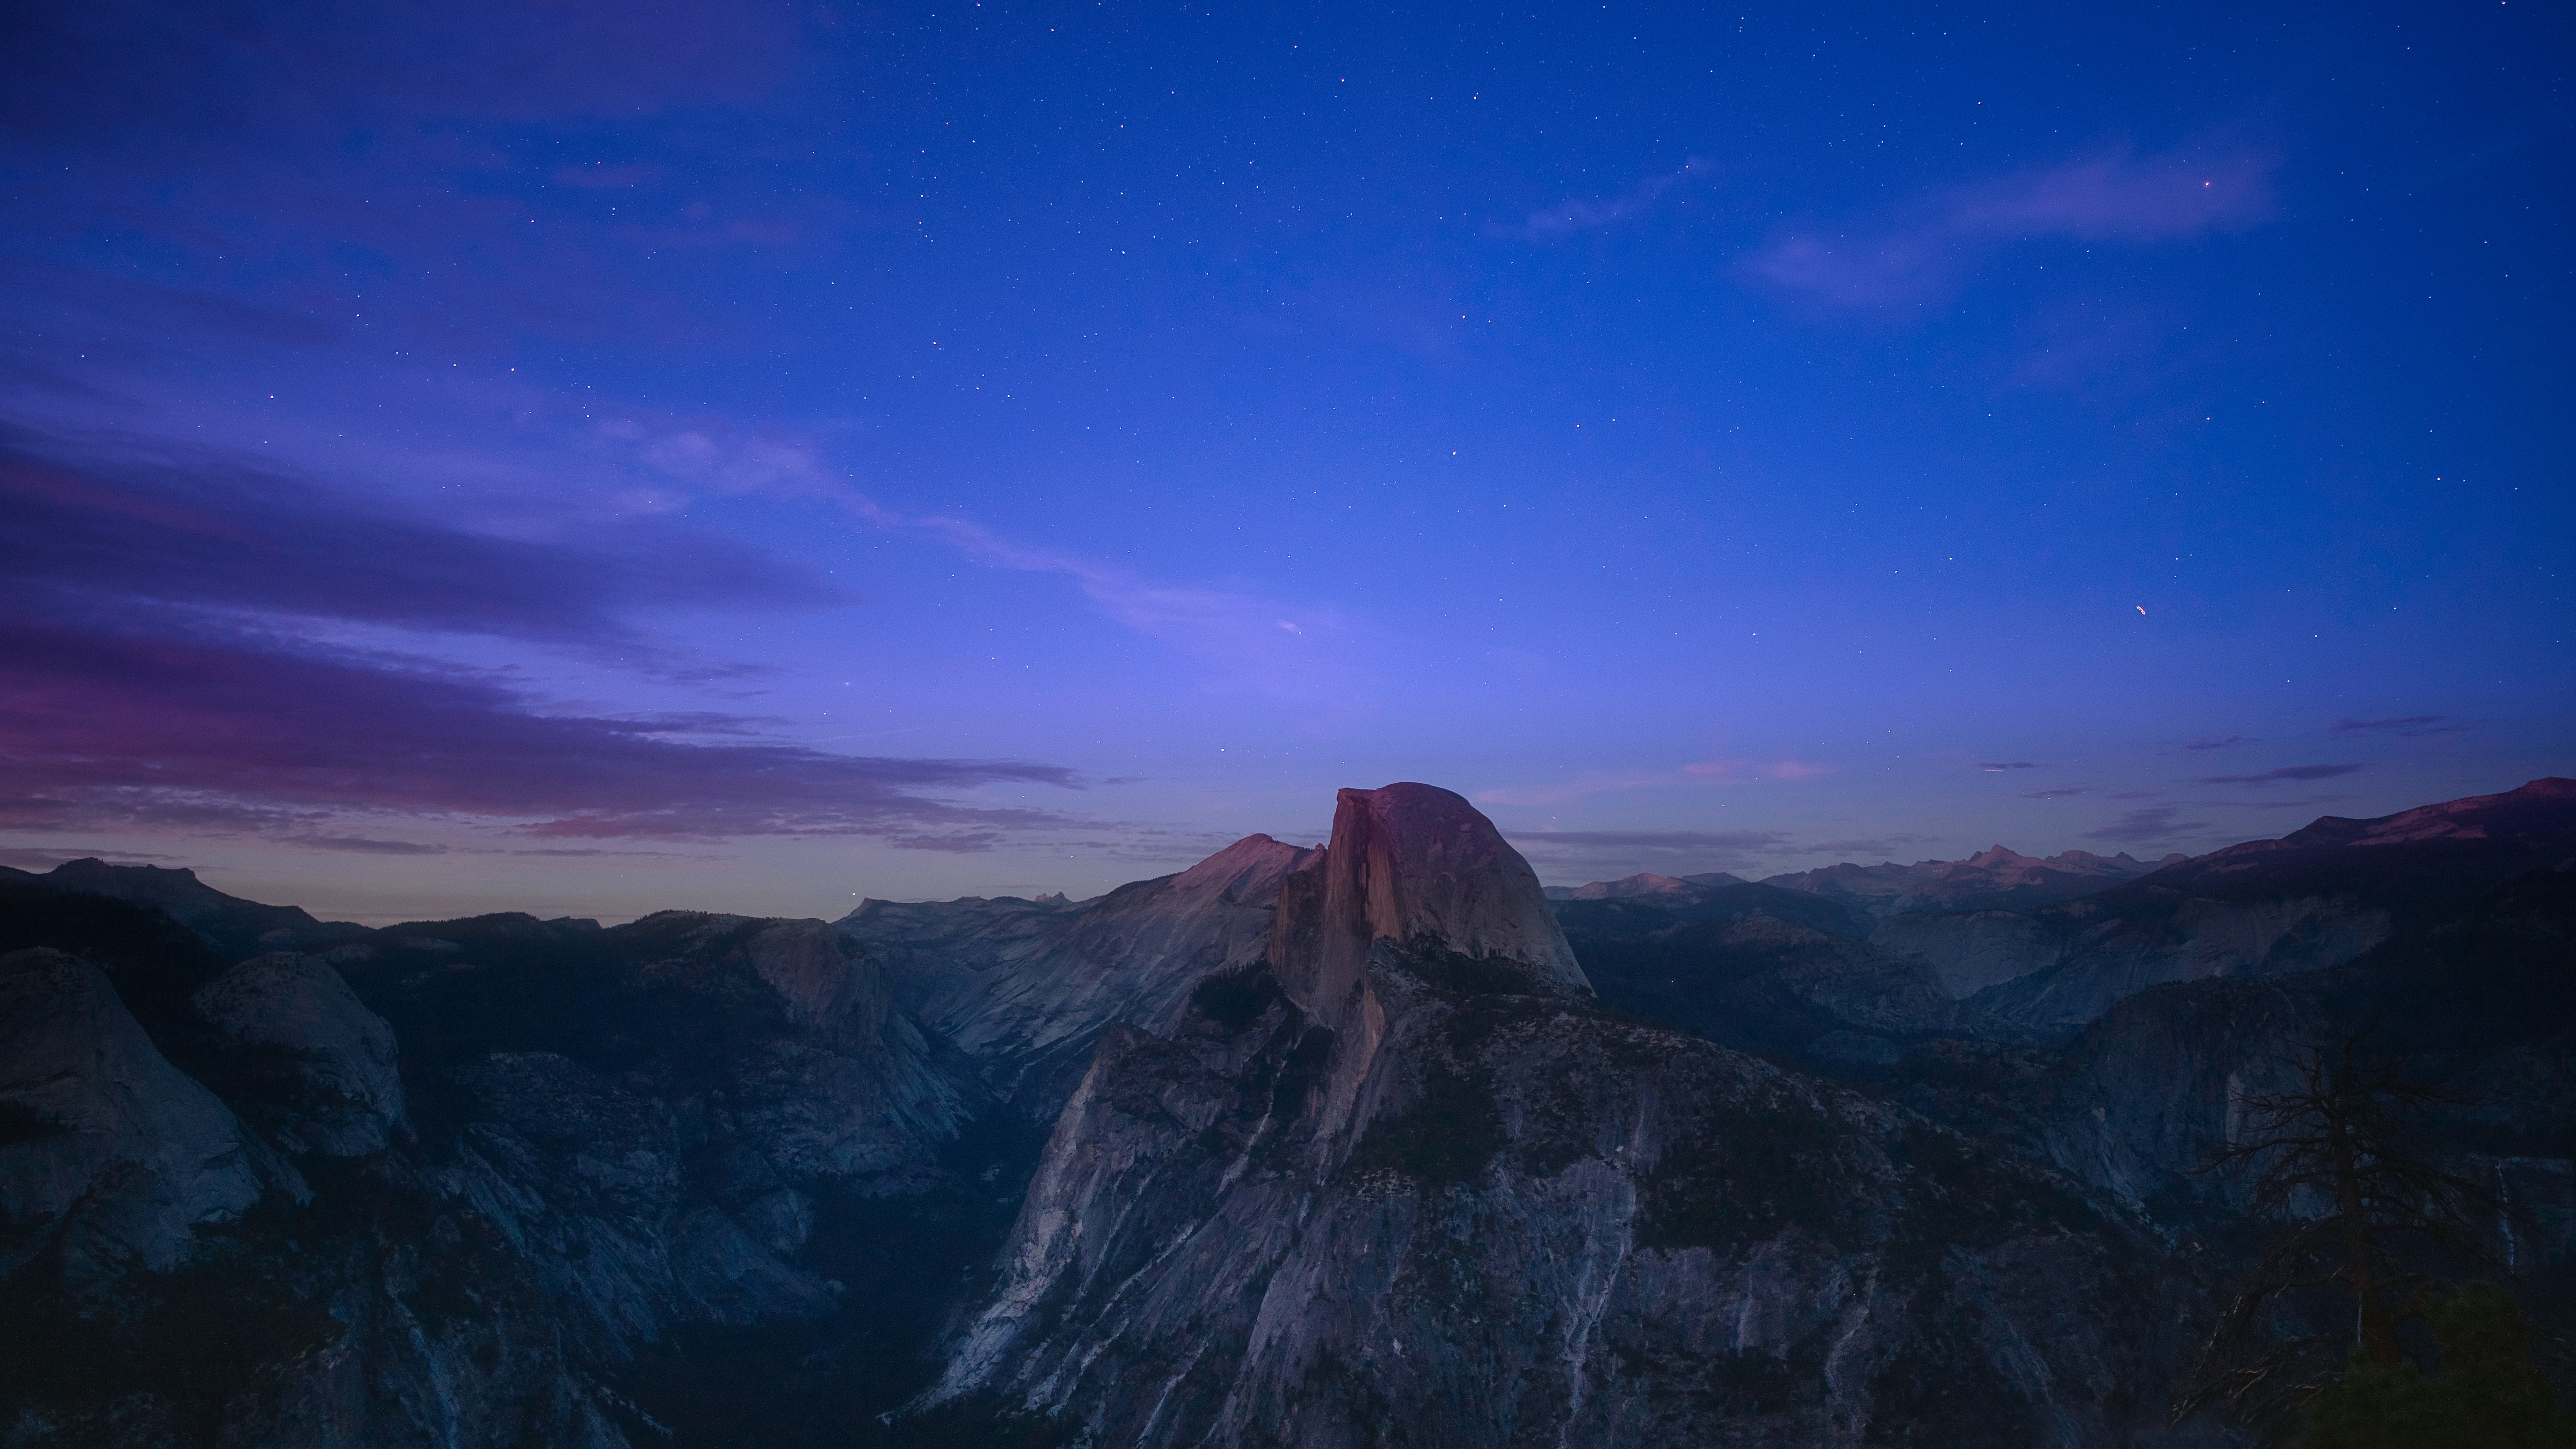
(2410, 725)
(2111, 198)
(2286, 772)
(2068, 791)
(2215, 742)
(208, 533)
(360, 845)
(2155, 822)
(230, 734)
(118, 68)
(968, 842)
(2000, 765)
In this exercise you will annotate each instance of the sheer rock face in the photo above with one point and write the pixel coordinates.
(330, 1059)
(1397, 1185)
(1409, 862)
(109, 1151)
(689, 1124)
(1025, 987)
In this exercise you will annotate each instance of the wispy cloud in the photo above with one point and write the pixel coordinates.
(205, 531)
(2115, 197)
(181, 729)
(361, 845)
(2216, 742)
(2286, 772)
(1581, 214)
(2410, 725)
(2153, 823)
(962, 842)
(2063, 793)
(1871, 845)
(2001, 765)
(1275, 646)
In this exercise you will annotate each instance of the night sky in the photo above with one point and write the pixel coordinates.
(591, 457)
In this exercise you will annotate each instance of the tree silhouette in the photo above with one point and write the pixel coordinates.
(2335, 1159)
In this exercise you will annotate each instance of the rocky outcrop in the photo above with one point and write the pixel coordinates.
(330, 1080)
(108, 1154)
(2473, 1002)
(1404, 1182)
(1024, 988)
(536, 1152)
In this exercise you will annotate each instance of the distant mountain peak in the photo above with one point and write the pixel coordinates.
(232, 925)
(1997, 877)
(1998, 855)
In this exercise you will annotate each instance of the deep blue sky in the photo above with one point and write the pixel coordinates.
(595, 457)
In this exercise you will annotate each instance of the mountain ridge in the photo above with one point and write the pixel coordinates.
(1300, 1147)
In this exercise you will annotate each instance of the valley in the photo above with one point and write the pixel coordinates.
(1371, 1142)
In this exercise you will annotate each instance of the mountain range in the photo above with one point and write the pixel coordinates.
(1370, 1143)
(1992, 879)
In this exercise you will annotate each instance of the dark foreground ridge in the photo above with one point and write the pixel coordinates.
(1367, 1144)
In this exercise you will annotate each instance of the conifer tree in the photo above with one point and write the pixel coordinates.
(2314, 1350)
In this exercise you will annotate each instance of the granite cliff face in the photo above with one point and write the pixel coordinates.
(1024, 988)
(110, 1154)
(2312, 900)
(462, 1183)
(2476, 998)
(1402, 1181)
(1368, 1144)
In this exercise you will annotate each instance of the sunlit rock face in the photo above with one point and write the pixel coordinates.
(1403, 1181)
(1412, 863)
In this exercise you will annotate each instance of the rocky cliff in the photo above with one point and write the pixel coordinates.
(1367, 1144)
(2312, 900)
(1403, 1181)
(482, 1182)
(1024, 988)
